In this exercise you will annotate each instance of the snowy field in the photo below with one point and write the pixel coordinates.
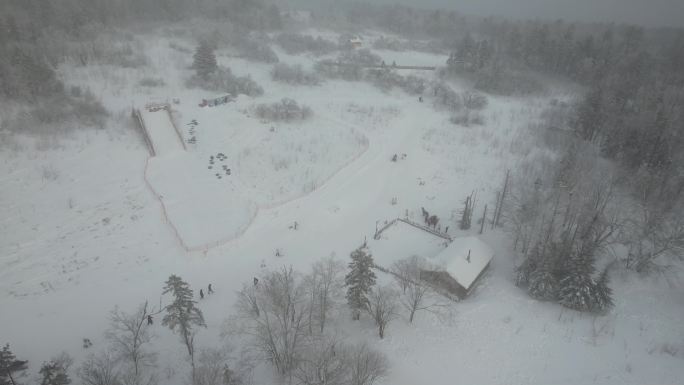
(82, 231)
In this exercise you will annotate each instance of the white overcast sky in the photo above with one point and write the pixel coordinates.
(652, 13)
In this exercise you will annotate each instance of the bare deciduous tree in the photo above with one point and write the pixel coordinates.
(366, 366)
(129, 337)
(323, 284)
(414, 294)
(325, 361)
(382, 306)
(217, 367)
(653, 234)
(99, 369)
(277, 331)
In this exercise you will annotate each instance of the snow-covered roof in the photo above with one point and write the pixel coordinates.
(454, 259)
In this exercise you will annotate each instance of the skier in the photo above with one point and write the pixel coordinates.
(201, 294)
(209, 289)
(149, 319)
(295, 225)
(256, 281)
(277, 253)
(446, 231)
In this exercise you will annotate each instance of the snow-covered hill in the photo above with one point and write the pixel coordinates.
(82, 231)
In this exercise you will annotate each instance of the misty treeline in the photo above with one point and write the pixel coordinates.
(287, 320)
(37, 36)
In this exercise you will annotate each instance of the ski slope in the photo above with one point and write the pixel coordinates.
(201, 211)
(162, 133)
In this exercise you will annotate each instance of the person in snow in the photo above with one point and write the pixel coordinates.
(149, 319)
(209, 289)
(256, 281)
(277, 252)
(295, 225)
(201, 294)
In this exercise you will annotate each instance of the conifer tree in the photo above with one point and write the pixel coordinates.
(10, 366)
(182, 316)
(204, 60)
(53, 374)
(577, 288)
(543, 284)
(359, 281)
(604, 294)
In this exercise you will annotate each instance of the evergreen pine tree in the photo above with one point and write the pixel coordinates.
(10, 366)
(543, 283)
(182, 315)
(359, 281)
(53, 374)
(604, 294)
(577, 291)
(204, 60)
(577, 287)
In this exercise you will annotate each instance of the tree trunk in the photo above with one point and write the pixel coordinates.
(484, 219)
(503, 198)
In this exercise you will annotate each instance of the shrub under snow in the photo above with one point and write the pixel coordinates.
(294, 74)
(286, 110)
(294, 43)
(223, 80)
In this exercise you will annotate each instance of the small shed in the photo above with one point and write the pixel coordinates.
(459, 266)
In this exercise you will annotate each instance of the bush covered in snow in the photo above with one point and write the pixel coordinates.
(387, 79)
(363, 57)
(331, 69)
(223, 80)
(467, 118)
(255, 50)
(392, 44)
(446, 97)
(349, 65)
(294, 74)
(50, 115)
(474, 101)
(286, 110)
(500, 81)
(151, 82)
(294, 43)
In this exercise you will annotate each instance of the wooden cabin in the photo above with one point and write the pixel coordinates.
(459, 266)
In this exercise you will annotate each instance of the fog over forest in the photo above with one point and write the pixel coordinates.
(654, 13)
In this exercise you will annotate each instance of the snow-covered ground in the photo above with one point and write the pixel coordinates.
(82, 231)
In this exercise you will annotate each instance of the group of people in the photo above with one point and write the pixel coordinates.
(209, 291)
